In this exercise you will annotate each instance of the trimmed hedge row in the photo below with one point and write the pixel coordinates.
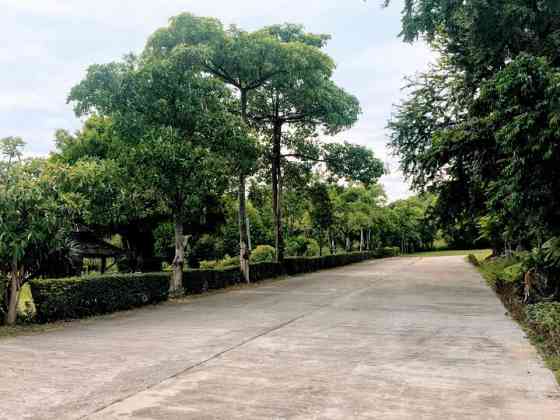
(297, 265)
(86, 296)
(81, 297)
(199, 281)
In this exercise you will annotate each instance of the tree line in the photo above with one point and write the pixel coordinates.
(481, 128)
(210, 143)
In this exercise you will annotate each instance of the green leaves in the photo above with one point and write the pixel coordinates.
(481, 127)
(353, 163)
(33, 218)
(11, 148)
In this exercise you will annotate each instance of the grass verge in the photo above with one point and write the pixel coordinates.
(545, 342)
(481, 254)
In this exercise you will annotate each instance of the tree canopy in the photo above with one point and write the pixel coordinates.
(480, 128)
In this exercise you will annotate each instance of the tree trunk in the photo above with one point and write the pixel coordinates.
(179, 261)
(15, 286)
(244, 251)
(280, 225)
(361, 240)
(332, 242)
(320, 242)
(244, 248)
(277, 193)
(103, 265)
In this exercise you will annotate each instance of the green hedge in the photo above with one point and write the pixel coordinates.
(199, 281)
(266, 270)
(388, 251)
(87, 296)
(297, 265)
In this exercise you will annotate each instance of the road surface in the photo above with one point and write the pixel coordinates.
(401, 338)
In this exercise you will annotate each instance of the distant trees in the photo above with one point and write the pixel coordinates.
(242, 60)
(322, 212)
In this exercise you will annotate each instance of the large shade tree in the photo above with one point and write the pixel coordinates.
(108, 198)
(281, 77)
(177, 124)
(295, 107)
(243, 60)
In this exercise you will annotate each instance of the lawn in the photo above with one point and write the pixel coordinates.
(480, 254)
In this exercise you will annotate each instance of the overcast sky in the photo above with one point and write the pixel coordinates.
(46, 46)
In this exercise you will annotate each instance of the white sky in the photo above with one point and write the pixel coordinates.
(46, 46)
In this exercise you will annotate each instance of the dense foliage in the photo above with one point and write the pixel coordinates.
(481, 127)
(210, 149)
(87, 296)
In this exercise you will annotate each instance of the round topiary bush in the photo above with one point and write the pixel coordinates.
(262, 254)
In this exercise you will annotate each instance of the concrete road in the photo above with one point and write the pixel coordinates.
(403, 338)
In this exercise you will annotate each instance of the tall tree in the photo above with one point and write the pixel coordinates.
(296, 104)
(33, 223)
(321, 211)
(243, 60)
(177, 123)
(475, 123)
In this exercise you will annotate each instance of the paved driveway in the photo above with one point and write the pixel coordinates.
(403, 338)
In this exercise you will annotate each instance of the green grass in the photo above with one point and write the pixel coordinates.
(27, 329)
(480, 254)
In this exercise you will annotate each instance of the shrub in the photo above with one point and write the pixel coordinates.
(300, 246)
(203, 249)
(312, 248)
(473, 260)
(388, 251)
(544, 319)
(266, 270)
(297, 265)
(542, 266)
(493, 270)
(263, 254)
(227, 262)
(200, 281)
(513, 274)
(209, 265)
(81, 297)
